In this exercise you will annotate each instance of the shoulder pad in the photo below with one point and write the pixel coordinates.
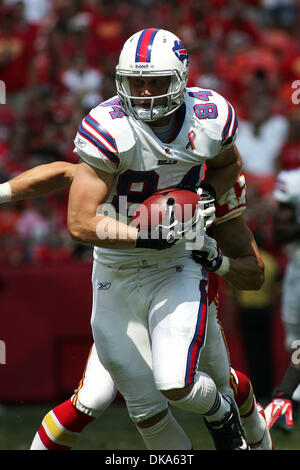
(111, 115)
(217, 115)
(103, 134)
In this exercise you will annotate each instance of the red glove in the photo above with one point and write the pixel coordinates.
(279, 407)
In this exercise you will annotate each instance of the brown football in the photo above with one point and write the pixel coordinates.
(152, 211)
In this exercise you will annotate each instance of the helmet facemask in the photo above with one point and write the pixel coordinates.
(173, 97)
(152, 53)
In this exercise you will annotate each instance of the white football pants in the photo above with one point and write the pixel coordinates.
(131, 360)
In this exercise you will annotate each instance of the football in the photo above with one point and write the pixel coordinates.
(154, 209)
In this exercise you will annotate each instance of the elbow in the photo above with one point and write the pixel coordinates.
(75, 231)
(238, 160)
(253, 279)
(239, 164)
(75, 235)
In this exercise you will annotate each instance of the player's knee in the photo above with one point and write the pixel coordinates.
(149, 422)
(145, 408)
(93, 403)
(177, 393)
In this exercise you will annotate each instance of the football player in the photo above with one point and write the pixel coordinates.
(286, 230)
(61, 427)
(149, 326)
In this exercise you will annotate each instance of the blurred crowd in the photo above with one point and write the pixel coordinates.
(57, 60)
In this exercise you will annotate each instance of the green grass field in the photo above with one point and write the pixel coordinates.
(112, 431)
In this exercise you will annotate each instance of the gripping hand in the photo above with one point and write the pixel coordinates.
(164, 235)
(206, 205)
(211, 258)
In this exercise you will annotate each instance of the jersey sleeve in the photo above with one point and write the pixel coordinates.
(225, 125)
(217, 120)
(228, 125)
(95, 144)
(233, 203)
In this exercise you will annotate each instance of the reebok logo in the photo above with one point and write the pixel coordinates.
(103, 285)
(80, 142)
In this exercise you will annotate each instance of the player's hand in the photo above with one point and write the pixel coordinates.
(206, 205)
(145, 241)
(165, 235)
(279, 407)
(209, 256)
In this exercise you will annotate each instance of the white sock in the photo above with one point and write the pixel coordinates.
(205, 399)
(254, 426)
(165, 435)
(37, 443)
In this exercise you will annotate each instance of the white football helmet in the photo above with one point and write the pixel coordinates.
(149, 53)
(287, 187)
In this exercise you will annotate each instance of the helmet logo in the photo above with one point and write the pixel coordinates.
(180, 51)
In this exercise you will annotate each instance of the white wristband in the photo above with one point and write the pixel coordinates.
(5, 192)
(224, 268)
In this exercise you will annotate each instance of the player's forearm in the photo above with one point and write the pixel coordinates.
(236, 241)
(41, 180)
(245, 273)
(89, 218)
(102, 231)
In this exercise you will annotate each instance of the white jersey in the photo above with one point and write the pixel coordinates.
(111, 141)
(287, 191)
